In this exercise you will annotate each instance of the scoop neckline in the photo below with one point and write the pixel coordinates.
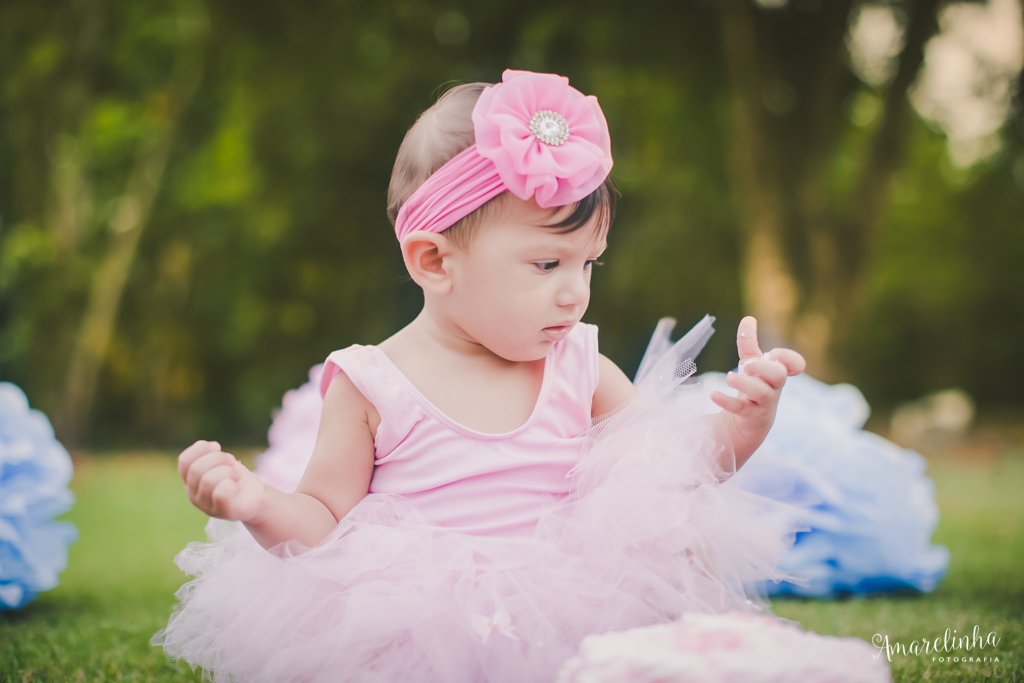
(443, 417)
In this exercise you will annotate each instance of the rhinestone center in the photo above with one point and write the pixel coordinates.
(549, 127)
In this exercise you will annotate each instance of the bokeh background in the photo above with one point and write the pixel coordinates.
(192, 193)
(192, 201)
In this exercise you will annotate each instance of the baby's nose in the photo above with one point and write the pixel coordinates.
(575, 291)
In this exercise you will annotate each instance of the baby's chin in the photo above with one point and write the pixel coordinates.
(523, 353)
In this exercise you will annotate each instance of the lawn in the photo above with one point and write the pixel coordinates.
(133, 518)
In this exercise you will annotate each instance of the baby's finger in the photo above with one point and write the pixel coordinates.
(754, 388)
(746, 338)
(212, 478)
(192, 453)
(728, 403)
(794, 362)
(771, 371)
(204, 464)
(222, 495)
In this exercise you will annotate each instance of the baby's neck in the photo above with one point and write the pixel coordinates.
(463, 378)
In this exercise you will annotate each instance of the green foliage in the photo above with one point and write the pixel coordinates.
(982, 524)
(267, 246)
(133, 518)
(945, 287)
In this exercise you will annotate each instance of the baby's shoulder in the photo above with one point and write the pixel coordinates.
(605, 383)
(355, 362)
(347, 387)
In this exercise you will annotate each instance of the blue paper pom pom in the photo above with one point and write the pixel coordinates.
(35, 470)
(871, 508)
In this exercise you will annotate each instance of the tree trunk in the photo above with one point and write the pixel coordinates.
(778, 176)
(96, 329)
(769, 288)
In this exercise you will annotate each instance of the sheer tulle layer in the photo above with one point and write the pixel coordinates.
(648, 535)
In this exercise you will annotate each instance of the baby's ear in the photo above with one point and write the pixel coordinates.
(426, 257)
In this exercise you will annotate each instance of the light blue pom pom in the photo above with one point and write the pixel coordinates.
(35, 470)
(870, 506)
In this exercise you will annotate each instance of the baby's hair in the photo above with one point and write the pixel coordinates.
(446, 129)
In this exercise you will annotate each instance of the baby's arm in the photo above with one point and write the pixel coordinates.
(336, 479)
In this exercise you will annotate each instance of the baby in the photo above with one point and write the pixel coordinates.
(477, 413)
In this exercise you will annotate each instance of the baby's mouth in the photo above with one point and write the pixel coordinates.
(557, 332)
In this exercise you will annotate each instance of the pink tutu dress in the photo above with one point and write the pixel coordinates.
(489, 557)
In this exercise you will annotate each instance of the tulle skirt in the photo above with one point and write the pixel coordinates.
(649, 533)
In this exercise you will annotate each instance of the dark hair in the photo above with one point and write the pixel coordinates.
(602, 200)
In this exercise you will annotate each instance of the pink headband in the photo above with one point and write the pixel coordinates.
(536, 136)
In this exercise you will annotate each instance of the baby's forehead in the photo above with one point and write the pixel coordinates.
(534, 235)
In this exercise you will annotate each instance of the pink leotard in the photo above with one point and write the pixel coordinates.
(477, 483)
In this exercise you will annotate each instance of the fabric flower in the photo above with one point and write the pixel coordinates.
(34, 473)
(561, 171)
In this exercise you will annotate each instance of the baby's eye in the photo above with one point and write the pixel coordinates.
(546, 265)
(591, 263)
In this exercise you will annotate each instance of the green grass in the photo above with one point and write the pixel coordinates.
(982, 524)
(133, 518)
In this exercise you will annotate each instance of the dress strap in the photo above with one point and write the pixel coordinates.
(575, 360)
(356, 362)
(368, 370)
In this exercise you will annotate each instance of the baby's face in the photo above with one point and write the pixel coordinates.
(519, 287)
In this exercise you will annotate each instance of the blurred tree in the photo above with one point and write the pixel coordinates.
(129, 218)
(254, 196)
(806, 246)
(120, 77)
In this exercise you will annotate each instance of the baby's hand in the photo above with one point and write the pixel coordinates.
(760, 380)
(218, 484)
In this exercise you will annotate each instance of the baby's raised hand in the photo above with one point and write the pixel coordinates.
(759, 381)
(218, 484)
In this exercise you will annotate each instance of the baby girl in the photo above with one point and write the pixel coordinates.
(486, 488)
